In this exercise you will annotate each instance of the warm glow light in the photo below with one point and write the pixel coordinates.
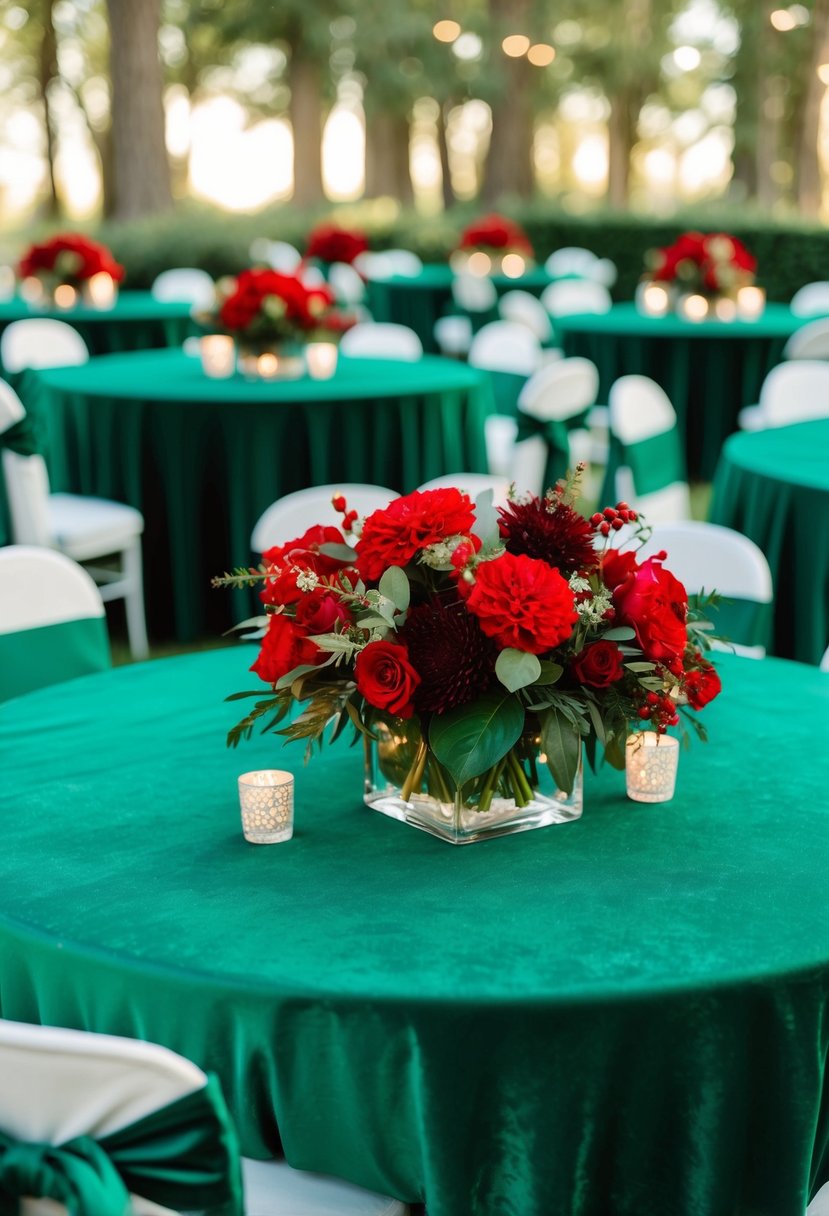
(479, 263)
(653, 299)
(750, 302)
(823, 73)
(687, 58)
(541, 54)
(725, 309)
(693, 308)
(446, 31)
(31, 289)
(515, 45)
(782, 20)
(321, 360)
(65, 296)
(267, 365)
(513, 266)
(101, 290)
(218, 356)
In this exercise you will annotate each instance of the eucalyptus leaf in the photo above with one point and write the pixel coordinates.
(294, 674)
(395, 587)
(550, 672)
(469, 740)
(596, 719)
(621, 633)
(516, 669)
(342, 553)
(639, 666)
(561, 742)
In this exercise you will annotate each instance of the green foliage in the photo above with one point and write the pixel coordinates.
(473, 738)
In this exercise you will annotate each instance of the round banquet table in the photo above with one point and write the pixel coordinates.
(774, 486)
(203, 458)
(626, 1014)
(709, 369)
(419, 300)
(136, 321)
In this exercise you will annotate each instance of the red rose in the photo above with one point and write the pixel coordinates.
(386, 678)
(702, 686)
(598, 665)
(655, 605)
(394, 534)
(616, 566)
(284, 647)
(303, 553)
(522, 602)
(319, 612)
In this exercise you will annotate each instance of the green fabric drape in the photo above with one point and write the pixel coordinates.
(710, 370)
(774, 486)
(184, 1156)
(51, 654)
(626, 1014)
(202, 459)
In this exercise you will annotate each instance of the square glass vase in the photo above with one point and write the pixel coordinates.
(404, 780)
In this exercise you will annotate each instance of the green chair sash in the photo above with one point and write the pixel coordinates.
(746, 622)
(556, 434)
(25, 437)
(655, 462)
(184, 1156)
(50, 654)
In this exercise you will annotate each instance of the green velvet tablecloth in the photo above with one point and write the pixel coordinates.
(774, 486)
(137, 321)
(418, 300)
(709, 369)
(203, 458)
(627, 1015)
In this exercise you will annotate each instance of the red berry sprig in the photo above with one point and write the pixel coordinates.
(611, 519)
(660, 711)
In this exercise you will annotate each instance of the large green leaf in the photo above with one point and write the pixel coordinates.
(395, 587)
(561, 742)
(472, 738)
(516, 668)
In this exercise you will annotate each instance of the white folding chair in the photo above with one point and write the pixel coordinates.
(279, 255)
(346, 283)
(52, 623)
(570, 296)
(295, 513)
(524, 309)
(820, 1204)
(811, 300)
(811, 341)
(82, 527)
(797, 391)
(707, 557)
(402, 262)
(41, 342)
(474, 293)
(650, 473)
(570, 259)
(506, 346)
(453, 336)
(473, 484)
(58, 1085)
(552, 397)
(187, 284)
(381, 340)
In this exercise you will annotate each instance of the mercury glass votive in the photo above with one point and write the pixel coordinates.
(725, 309)
(32, 290)
(266, 798)
(653, 299)
(692, 307)
(218, 356)
(100, 290)
(751, 302)
(65, 296)
(651, 762)
(321, 360)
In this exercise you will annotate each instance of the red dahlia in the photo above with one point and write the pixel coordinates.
(453, 656)
(560, 537)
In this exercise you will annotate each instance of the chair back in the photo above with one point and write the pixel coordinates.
(811, 300)
(505, 346)
(811, 341)
(473, 484)
(453, 335)
(647, 453)
(549, 404)
(346, 283)
(707, 557)
(795, 392)
(570, 296)
(52, 625)
(381, 340)
(824, 662)
(525, 309)
(186, 284)
(27, 493)
(11, 407)
(402, 262)
(41, 342)
(292, 515)
(60, 1085)
(474, 292)
(279, 255)
(570, 259)
(560, 390)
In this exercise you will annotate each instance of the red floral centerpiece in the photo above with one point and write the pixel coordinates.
(71, 261)
(272, 316)
(479, 654)
(714, 266)
(330, 243)
(494, 243)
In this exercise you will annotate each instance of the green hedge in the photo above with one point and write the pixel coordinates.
(788, 254)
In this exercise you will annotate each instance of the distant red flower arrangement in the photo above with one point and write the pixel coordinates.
(69, 257)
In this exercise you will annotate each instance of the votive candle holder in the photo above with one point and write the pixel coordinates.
(651, 762)
(266, 798)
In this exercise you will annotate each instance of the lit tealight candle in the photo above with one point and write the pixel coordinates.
(479, 263)
(267, 365)
(100, 290)
(321, 360)
(218, 356)
(651, 762)
(750, 302)
(65, 296)
(725, 309)
(513, 266)
(693, 308)
(31, 290)
(653, 299)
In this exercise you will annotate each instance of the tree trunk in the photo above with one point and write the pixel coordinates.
(305, 111)
(387, 156)
(621, 136)
(509, 162)
(141, 173)
(809, 181)
(746, 84)
(447, 189)
(48, 72)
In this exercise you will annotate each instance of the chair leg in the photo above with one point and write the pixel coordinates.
(134, 601)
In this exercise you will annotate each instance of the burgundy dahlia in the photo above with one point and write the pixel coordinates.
(451, 654)
(551, 531)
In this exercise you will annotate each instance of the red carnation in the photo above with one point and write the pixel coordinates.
(284, 647)
(386, 678)
(655, 605)
(598, 665)
(522, 603)
(702, 686)
(393, 535)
